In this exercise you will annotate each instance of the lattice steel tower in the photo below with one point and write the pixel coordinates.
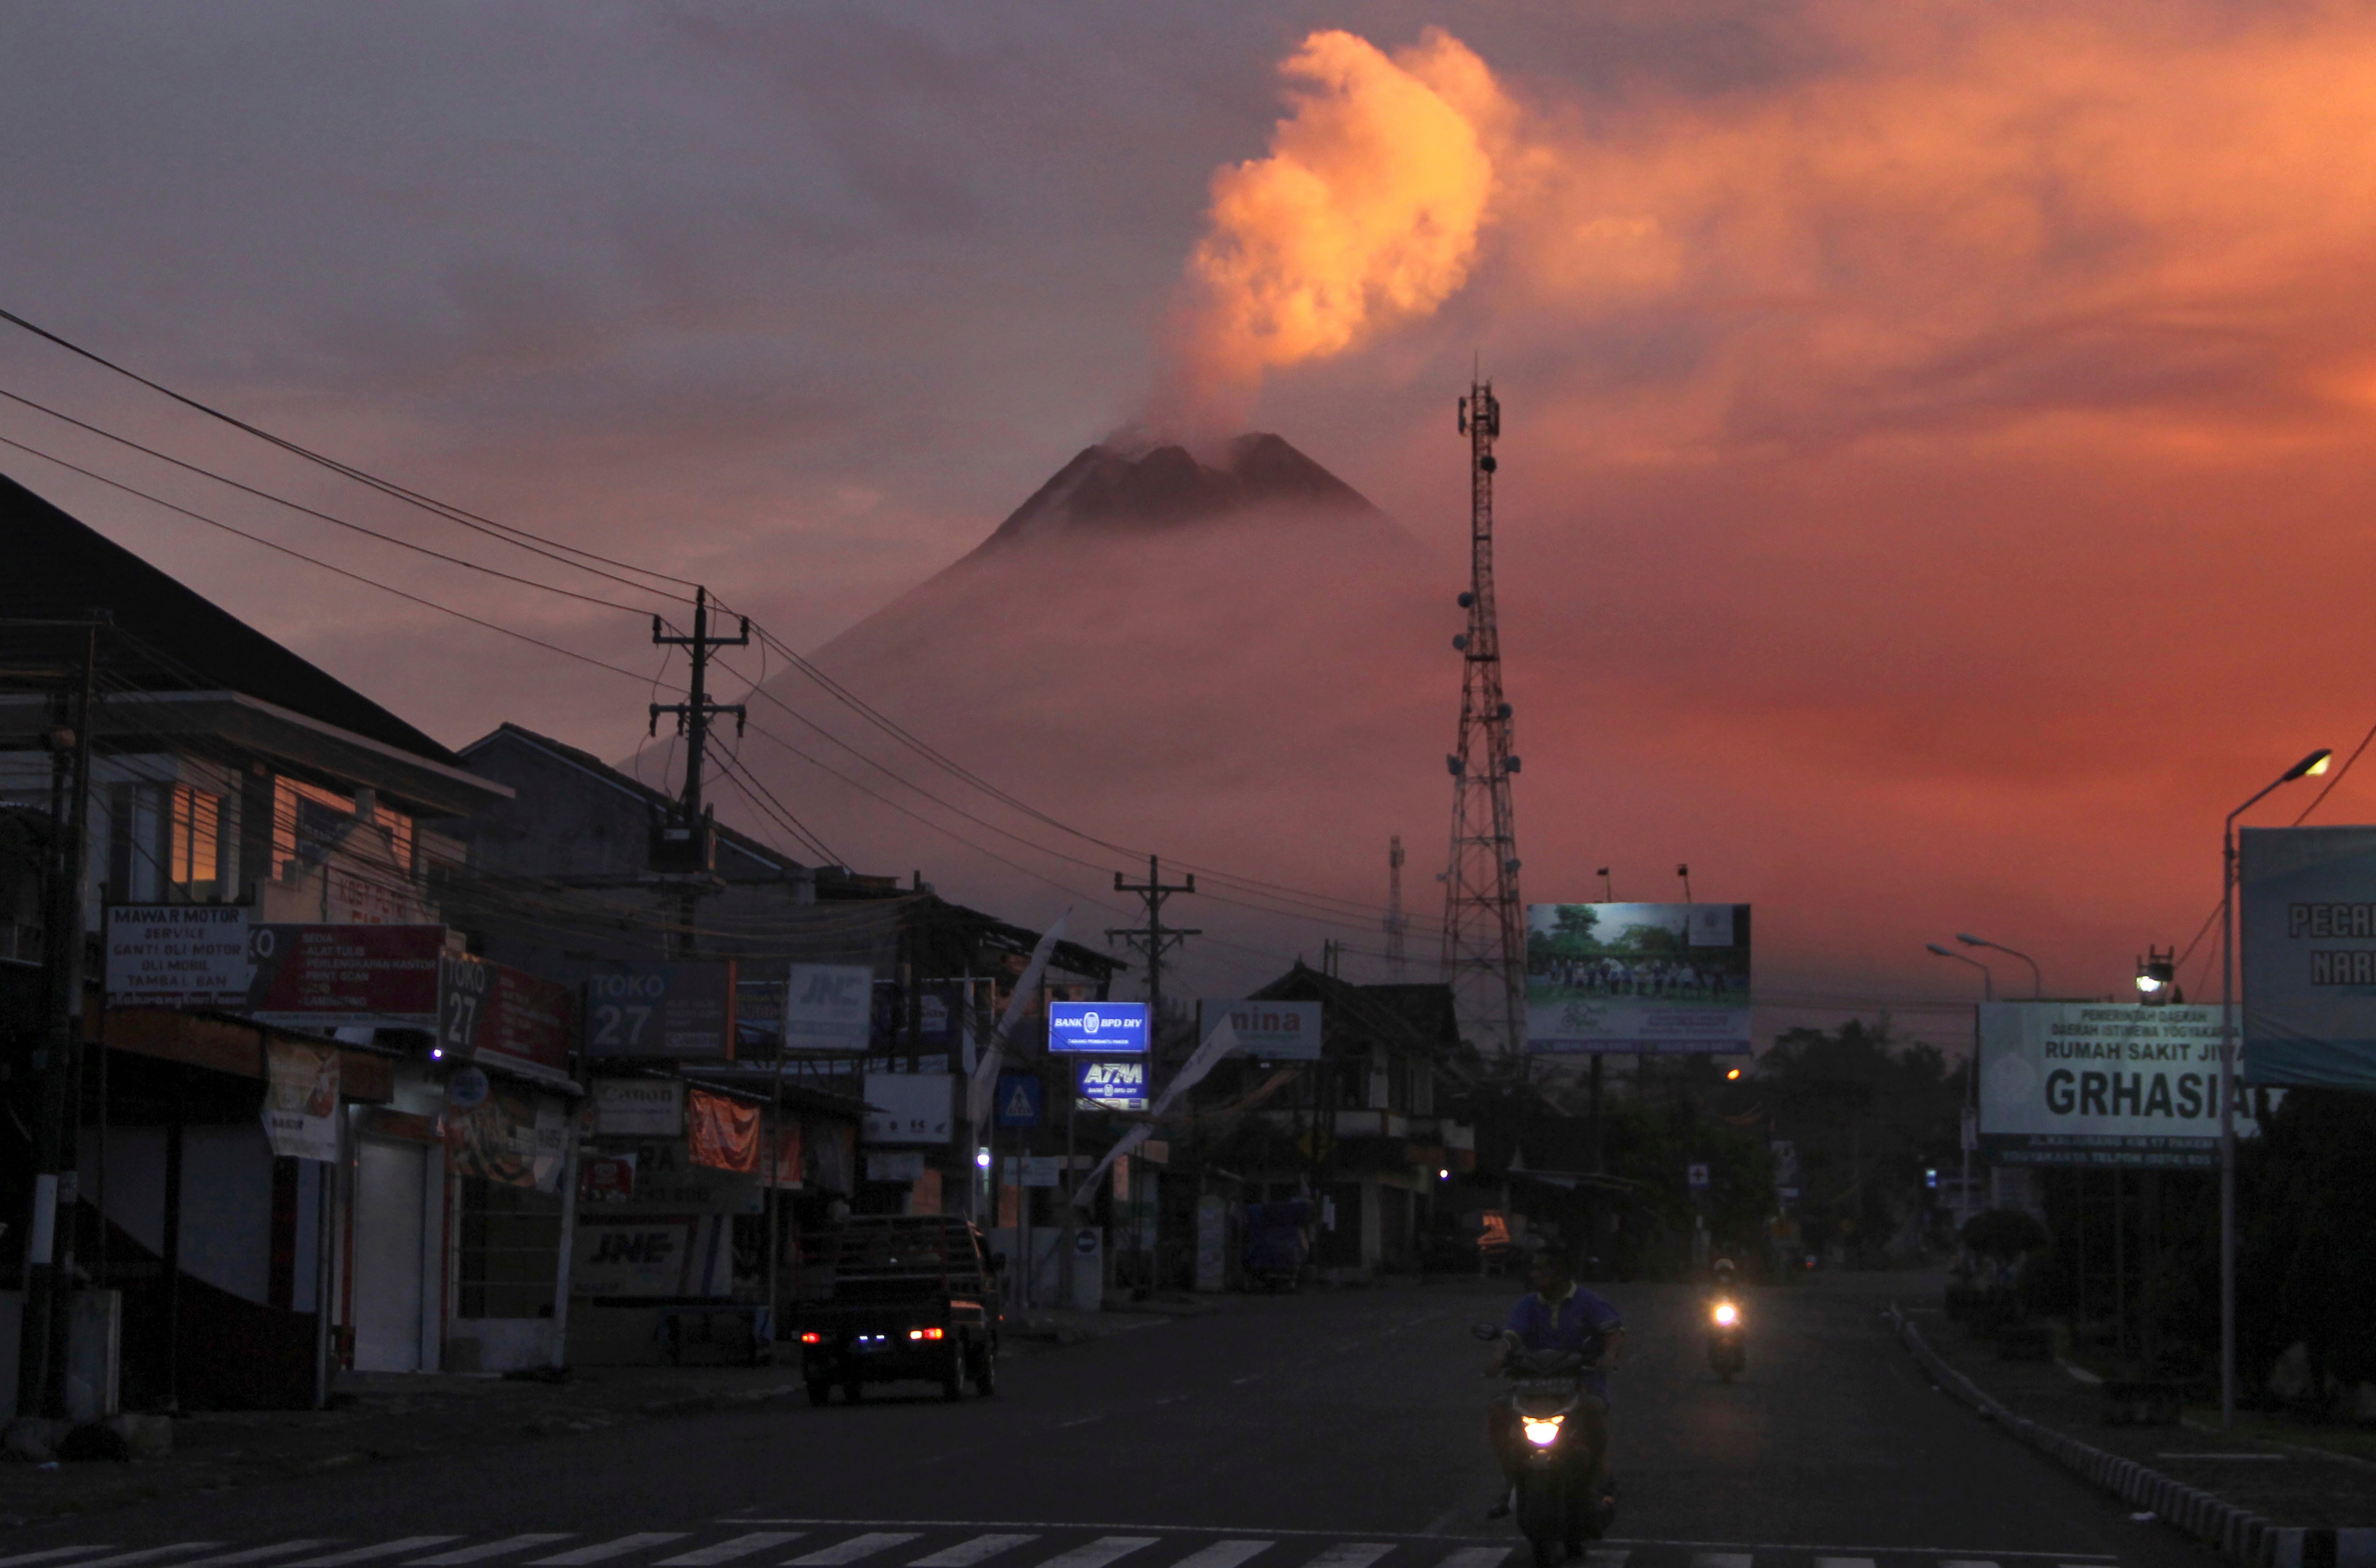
(1484, 923)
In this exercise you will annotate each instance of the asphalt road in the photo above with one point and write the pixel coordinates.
(1337, 1431)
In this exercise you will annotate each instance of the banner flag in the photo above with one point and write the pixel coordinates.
(985, 1072)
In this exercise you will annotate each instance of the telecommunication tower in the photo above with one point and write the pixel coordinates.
(1396, 921)
(1484, 923)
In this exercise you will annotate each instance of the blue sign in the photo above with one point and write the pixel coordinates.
(1020, 1100)
(1115, 1085)
(1103, 1029)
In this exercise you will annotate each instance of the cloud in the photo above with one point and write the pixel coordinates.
(1365, 214)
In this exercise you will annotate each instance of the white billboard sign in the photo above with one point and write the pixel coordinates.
(910, 1107)
(2116, 1084)
(830, 1008)
(1274, 1031)
(638, 1107)
(1638, 979)
(2308, 931)
(178, 955)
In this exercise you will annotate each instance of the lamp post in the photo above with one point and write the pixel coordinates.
(1988, 993)
(2036, 983)
(2313, 764)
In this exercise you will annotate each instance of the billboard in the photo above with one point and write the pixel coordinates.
(2102, 1083)
(1642, 979)
(1104, 1028)
(910, 1107)
(1112, 1085)
(177, 956)
(681, 1012)
(346, 976)
(505, 1017)
(828, 1007)
(1275, 1031)
(2307, 924)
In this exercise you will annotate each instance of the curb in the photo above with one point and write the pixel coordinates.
(2244, 1539)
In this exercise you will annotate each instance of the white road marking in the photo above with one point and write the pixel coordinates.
(491, 1549)
(50, 1556)
(2222, 1457)
(1251, 1377)
(855, 1548)
(728, 1550)
(1475, 1557)
(1844, 1563)
(602, 1552)
(966, 1553)
(1101, 1552)
(254, 1553)
(361, 1553)
(1223, 1554)
(1720, 1559)
(1605, 1557)
(1084, 1421)
(1352, 1554)
(150, 1554)
(1968, 1562)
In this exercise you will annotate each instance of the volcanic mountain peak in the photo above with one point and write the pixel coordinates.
(1109, 491)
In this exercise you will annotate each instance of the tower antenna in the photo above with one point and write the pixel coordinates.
(1484, 923)
(1396, 923)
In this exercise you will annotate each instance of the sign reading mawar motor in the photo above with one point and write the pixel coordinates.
(1638, 978)
(1101, 1029)
(2115, 1083)
(2309, 955)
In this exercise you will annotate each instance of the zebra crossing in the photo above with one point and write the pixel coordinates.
(844, 1545)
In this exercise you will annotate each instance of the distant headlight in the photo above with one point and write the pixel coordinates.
(1726, 1314)
(1543, 1433)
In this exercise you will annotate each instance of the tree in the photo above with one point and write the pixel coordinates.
(1867, 1116)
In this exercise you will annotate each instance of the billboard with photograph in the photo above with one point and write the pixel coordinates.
(2307, 945)
(1640, 978)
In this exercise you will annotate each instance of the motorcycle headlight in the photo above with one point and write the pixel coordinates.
(1543, 1433)
(1726, 1314)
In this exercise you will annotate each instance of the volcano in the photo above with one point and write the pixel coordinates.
(1108, 490)
(1237, 658)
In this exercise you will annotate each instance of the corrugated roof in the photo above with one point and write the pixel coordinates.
(177, 640)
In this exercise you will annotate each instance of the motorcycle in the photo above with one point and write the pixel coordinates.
(1727, 1355)
(1555, 1505)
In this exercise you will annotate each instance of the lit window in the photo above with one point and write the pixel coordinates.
(193, 854)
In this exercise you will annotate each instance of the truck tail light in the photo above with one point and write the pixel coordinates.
(812, 1337)
(924, 1333)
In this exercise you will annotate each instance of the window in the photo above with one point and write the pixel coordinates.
(194, 842)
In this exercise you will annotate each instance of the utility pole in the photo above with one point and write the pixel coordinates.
(1484, 923)
(686, 849)
(1396, 923)
(1154, 939)
(49, 1259)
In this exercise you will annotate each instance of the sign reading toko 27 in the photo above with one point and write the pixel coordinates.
(1102, 1029)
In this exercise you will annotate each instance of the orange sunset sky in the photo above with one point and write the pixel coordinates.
(1940, 443)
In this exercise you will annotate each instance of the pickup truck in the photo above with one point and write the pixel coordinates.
(894, 1298)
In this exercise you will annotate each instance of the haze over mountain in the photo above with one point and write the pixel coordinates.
(1166, 650)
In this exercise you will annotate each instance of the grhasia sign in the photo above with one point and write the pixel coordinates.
(2308, 924)
(2116, 1084)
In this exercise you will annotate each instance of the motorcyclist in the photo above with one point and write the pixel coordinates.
(1558, 1314)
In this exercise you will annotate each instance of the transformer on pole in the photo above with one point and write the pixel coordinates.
(1484, 922)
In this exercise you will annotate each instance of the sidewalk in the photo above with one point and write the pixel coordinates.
(2291, 1488)
(377, 1419)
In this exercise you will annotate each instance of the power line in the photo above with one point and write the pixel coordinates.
(313, 561)
(518, 538)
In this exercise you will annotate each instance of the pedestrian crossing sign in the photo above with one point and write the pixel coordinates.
(1021, 1100)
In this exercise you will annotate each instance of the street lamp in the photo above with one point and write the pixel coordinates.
(1988, 993)
(2037, 985)
(2157, 977)
(2309, 767)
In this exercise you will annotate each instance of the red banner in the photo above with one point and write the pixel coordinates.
(721, 1134)
(326, 976)
(788, 1154)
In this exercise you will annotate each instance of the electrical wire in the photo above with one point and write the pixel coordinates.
(517, 537)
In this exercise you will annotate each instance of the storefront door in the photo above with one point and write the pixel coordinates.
(393, 1307)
